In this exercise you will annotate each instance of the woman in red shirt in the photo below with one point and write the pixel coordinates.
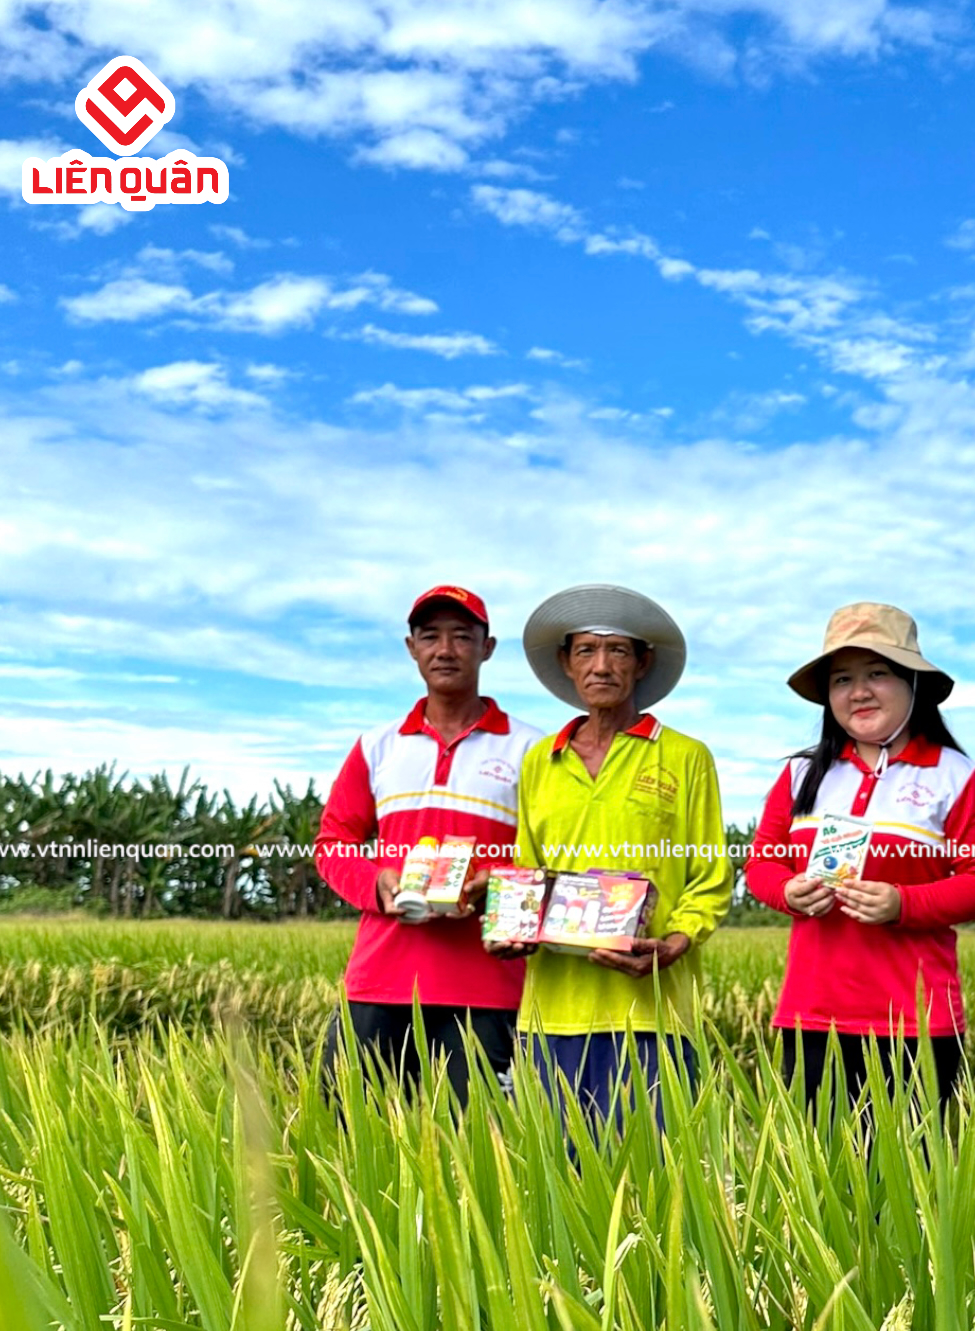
(857, 951)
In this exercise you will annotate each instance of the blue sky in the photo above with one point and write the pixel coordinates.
(675, 296)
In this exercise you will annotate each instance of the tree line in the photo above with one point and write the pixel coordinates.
(200, 852)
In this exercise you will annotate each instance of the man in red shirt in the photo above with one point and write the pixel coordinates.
(452, 767)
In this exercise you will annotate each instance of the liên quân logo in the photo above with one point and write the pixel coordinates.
(101, 97)
(125, 106)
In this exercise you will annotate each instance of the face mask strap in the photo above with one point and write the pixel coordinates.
(882, 761)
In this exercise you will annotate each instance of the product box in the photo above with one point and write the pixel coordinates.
(451, 870)
(513, 907)
(590, 910)
(840, 848)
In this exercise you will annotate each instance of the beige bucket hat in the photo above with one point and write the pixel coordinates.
(601, 607)
(883, 629)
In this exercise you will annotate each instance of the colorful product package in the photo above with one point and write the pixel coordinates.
(840, 849)
(452, 869)
(411, 898)
(513, 907)
(590, 910)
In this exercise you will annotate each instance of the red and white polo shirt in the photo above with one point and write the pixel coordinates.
(401, 782)
(864, 976)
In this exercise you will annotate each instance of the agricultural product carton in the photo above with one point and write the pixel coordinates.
(590, 910)
(513, 907)
(840, 848)
(452, 870)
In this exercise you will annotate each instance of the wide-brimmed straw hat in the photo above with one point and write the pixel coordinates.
(883, 629)
(600, 607)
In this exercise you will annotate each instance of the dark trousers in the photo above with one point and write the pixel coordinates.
(946, 1048)
(386, 1030)
(592, 1064)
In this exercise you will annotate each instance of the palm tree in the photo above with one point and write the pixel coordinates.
(238, 830)
(298, 886)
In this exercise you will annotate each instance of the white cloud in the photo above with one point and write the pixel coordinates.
(243, 756)
(7, 297)
(57, 674)
(169, 140)
(285, 301)
(851, 27)
(747, 413)
(498, 169)
(419, 149)
(102, 218)
(86, 219)
(217, 535)
(377, 289)
(421, 83)
(552, 357)
(195, 384)
(239, 237)
(614, 415)
(831, 314)
(282, 302)
(169, 263)
(634, 243)
(270, 375)
(529, 208)
(447, 345)
(125, 300)
(963, 237)
(13, 154)
(439, 399)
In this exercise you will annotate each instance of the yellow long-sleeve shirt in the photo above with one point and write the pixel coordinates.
(653, 807)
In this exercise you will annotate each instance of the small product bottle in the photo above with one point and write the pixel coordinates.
(573, 916)
(590, 918)
(417, 869)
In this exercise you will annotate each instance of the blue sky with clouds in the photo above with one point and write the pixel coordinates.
(679, 296)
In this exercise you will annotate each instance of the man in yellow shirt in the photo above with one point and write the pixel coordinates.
(616, 789)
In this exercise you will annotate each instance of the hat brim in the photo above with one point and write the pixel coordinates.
(615, 608)
(805, 680)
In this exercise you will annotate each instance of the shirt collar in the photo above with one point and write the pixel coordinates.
(494, 721)
(646, 727)
(918, 751)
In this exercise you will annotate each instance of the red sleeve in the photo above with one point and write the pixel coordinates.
(348, 821)
(948, 900)
(766, 872)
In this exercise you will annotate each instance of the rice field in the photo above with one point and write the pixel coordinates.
(168, 1160)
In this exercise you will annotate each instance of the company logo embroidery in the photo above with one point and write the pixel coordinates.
(500, 769)
(457, 593)
(103, 95)
(124, 106)
(663, 783)
(918, 795)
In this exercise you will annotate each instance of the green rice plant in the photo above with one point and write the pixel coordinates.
(204, 1177)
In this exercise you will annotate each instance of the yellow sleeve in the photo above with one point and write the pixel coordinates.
(706, 897)
(528, 854)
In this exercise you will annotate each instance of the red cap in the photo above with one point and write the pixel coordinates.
(474, 606)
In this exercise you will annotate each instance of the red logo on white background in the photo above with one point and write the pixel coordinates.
(125, 105)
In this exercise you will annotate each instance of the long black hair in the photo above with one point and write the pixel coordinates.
(925, 720)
